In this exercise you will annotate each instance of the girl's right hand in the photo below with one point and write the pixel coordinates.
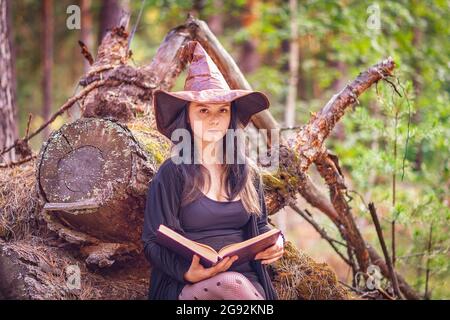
(198, 273)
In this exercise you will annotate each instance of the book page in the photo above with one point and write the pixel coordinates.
(203, 249)
(235, 246)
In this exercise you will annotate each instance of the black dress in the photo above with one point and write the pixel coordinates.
(217, 224)
(163, 206)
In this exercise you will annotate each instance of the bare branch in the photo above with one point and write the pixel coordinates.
(385, 252)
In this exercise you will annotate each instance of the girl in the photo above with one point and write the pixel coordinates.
(208, 199)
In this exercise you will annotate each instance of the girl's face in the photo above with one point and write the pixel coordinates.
(209, 121)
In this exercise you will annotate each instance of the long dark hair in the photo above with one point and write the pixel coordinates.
(239, 177)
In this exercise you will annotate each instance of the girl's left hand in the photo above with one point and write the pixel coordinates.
(272, 253)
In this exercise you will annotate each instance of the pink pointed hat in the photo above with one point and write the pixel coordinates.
(204, 83)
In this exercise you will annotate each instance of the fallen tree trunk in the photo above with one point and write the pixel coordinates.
(78, 208)
(36, 268)
(92, 178)
(93, 175)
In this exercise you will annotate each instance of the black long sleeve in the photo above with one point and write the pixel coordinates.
(262, 221)
(162, 205)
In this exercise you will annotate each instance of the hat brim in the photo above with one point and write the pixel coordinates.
(168, 104)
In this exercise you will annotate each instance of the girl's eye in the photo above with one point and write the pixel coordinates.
(203, 110)
(224, 110)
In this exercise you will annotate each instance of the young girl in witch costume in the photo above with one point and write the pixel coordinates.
(207, 200)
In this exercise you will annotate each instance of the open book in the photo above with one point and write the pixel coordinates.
(245, 250)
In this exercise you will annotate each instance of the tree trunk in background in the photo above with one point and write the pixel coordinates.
(215, 22)
(302, 84)
(110, 15)
(417, 117)
(197, 7)
(8, 111)
(315, 82)
(86, 30)
(87, 37)
(340, 82)
(289, 112)
(47, 58)
(249, 60)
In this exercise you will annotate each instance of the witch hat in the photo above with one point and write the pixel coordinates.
(204, 83)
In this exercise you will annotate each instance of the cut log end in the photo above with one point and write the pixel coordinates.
(99, 161)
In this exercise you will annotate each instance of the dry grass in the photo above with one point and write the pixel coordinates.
(298, 277)
(18, 201)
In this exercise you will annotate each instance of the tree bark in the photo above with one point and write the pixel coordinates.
(329, 169)
(86, 30)
(291, 101)
(110, 15)
(47, 59)
(39, 268)
(340, 214)
(8, 109)
(289, 113)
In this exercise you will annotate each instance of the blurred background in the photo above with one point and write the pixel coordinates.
(394, 149)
